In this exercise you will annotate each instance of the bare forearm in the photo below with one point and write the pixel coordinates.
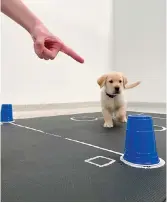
(17, 11)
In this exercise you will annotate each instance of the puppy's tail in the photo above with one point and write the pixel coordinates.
(132, 85)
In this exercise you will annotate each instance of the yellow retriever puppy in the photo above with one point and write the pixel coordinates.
(112, 97)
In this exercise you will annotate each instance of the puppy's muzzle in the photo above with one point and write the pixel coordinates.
(117, 90)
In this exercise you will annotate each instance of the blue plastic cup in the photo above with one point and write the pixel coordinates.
(6, 113)
(140, 143)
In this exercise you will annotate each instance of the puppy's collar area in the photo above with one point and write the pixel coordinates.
(111, 95)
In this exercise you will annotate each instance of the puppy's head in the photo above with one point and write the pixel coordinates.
(114, 83)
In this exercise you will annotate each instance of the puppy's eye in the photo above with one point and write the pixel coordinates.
(111, 81)
(120, 81)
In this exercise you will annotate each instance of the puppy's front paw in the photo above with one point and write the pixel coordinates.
(108, 125)
(124, 120)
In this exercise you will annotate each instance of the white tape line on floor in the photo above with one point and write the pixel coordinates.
(36, 130)
(95, 146)
(162, 128)
(110, 161)
(76, 141)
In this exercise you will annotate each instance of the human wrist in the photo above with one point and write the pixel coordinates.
(38, 29)
(33, 25)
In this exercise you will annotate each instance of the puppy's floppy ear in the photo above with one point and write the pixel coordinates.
(125, 80)
(101, 80)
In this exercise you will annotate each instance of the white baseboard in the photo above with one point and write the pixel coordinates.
(159, 108)
(37, 107)
(45, 110)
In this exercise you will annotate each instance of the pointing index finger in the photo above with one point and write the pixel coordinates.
(72, 54)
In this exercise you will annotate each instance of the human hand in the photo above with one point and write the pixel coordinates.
(47, 46)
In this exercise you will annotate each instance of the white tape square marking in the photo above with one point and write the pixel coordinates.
(110, 161)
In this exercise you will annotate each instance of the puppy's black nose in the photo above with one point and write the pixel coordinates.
(117, 89)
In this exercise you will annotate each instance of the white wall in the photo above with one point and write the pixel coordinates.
(139, 47)
(85, 25)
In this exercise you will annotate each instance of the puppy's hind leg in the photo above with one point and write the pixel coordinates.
(108, 121)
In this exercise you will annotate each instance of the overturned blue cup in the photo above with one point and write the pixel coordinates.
(140, 143)
(6, 113)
